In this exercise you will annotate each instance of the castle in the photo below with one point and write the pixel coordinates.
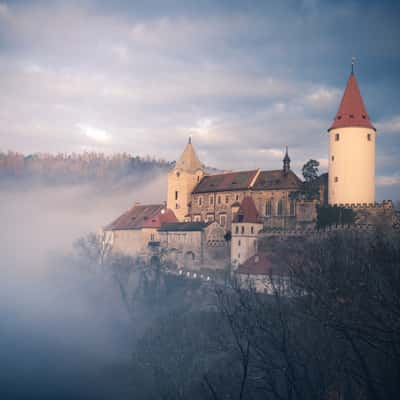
(216, 221)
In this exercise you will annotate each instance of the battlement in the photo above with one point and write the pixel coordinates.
(388, 204)
(313, 232)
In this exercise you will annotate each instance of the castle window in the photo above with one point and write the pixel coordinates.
(211, 200)
(176, 205)
(176, 195)
(255, 244)
(242, 230)
(351, 115)
(268, 208)
(292, 207)
(222, 220)
(333, 158)
(226, 199)
(236, 229)
(280, 207)
(219, 199)
(252, 229)
(369, 137)
(336, 179)
(152, 237)
(178, 174)
(200, 201)
(237, 197)
(198, 178)
(238, 242)
(337, 137)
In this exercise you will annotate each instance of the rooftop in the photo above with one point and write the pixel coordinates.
(143, 216)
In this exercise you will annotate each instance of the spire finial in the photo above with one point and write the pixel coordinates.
(353, 61)
(190, 140)
(286, 161)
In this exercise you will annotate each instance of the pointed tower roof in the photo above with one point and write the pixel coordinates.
(189, 161)
(248, 212)
(352, 111)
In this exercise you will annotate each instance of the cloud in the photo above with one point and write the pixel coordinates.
(392, 125)
(388, 180)
(96, 134)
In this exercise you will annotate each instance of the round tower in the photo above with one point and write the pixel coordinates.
(351, 150)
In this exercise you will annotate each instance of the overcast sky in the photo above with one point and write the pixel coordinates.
(244, 78)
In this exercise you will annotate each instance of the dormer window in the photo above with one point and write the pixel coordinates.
(351, 115)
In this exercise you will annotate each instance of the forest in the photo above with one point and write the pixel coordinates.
(84, 167)
(334, 335)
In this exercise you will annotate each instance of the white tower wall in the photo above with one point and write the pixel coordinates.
(351, 165)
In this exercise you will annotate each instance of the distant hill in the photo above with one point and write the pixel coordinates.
(77, 168)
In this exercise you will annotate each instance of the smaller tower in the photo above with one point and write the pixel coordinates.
(246, 226)
(286, 162)
(182, 180)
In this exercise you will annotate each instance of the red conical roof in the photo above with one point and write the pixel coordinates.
(352, 110)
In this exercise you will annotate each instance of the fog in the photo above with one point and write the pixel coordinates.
(64, 332)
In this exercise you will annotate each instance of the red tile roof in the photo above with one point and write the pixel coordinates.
(242, 180)
(225, 182)
(262, 263)
(352, 111)
(248, 212)
(277, 179)
(143, 216)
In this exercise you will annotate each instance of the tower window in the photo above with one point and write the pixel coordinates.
(333, 158)
(200, 201)
(176, 195)
(219, 199)
(238, 242)
(198, 178)
(236, 229)
(252, 229)
(178, 174)
(351, 115)
(369, 137)
(237, 197)
(337, 137)
(242, 230)
(336, 179)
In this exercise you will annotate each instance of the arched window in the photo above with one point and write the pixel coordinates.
(280, 208)
(292, 207)
(268, 208)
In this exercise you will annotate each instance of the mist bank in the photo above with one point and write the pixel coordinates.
(64, 330)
